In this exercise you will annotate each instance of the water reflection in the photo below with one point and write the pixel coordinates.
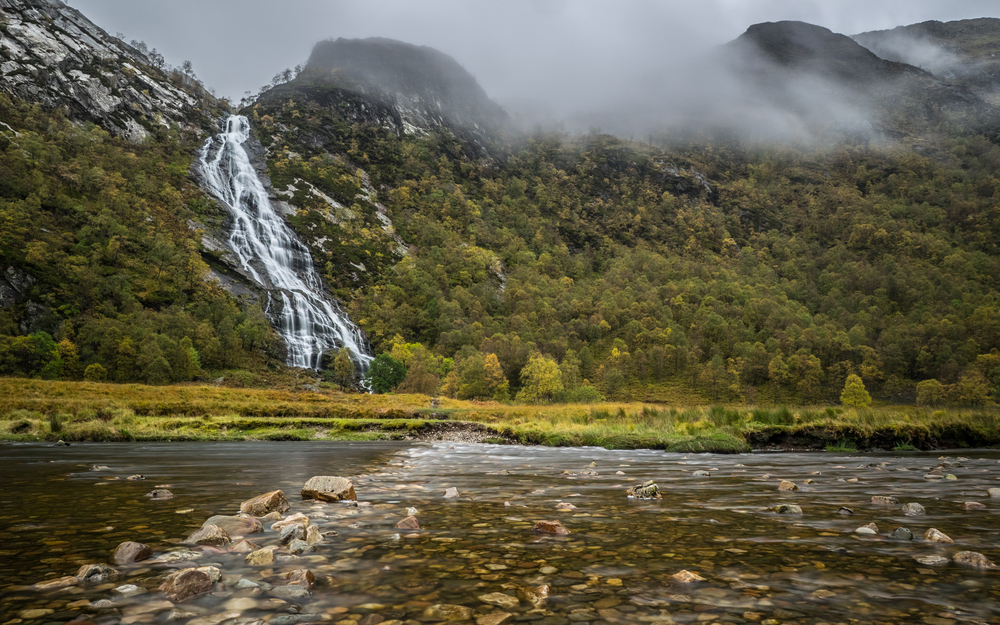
(619, 563)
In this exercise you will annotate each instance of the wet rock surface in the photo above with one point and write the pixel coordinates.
(328, 488)
(711, 551)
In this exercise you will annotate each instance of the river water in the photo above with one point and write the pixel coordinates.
(616, 566)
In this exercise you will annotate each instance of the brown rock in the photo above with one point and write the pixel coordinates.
(495, 618)
(686, 577)
(296, 519)
(535, 595)
(313, 535)
(300, 577)
(260, 505)
(260, 557)
(97, 574)
(786, 485)
(235, 525)
(62, 582)
(913, 509)
(973, 559)
(647, 490)
(446, 612)
(974, 505)
(244, 546)
(409, 523)
(883, 500)
(501, 600)
(328, 488)
(209, 535)
(565, 506)
(550, 527)
(129, 552)
(187, 584)
(935, 536)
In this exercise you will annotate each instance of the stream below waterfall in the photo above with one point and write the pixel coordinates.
(305, 317)
(474, 555)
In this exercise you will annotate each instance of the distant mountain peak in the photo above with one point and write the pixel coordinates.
(419, 88)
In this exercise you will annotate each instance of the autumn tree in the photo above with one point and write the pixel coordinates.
(541, 380)
(854, 393)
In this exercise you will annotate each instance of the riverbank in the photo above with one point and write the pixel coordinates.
(39, 410)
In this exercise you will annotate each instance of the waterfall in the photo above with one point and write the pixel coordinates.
(308, 321)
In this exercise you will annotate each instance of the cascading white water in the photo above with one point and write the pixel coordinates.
(308, 321)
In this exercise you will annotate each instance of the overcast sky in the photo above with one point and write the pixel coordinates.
(544, 51)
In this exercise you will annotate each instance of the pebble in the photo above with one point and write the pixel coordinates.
(550, 527)
(787, 508)
(451, 493)
(495, 618)
(913, 509)
(786, 485)
(994, 492)
(974, 505)
(686, 577)
(902, 533)
(884, 500)
(932, 560)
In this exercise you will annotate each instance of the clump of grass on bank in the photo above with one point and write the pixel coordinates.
(32, 410)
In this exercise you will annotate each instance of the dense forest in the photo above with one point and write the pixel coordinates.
(572, 268)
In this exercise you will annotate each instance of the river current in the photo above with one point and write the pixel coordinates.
(61, 508)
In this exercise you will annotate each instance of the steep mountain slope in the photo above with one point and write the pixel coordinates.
(409, 89)
(53, 55)
(964, 52)
(832, 83)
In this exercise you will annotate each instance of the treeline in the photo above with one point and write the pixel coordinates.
(722, 273)
(113, 286)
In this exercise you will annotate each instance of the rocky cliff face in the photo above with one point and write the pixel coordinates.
(409, 89)
(51, 54)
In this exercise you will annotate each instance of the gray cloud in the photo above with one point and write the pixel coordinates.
(558, 59)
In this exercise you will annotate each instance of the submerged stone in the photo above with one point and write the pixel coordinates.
(235, 525)
(913, 509)
(786, 485)
(500, 599)
(409, 523)
(973, 559)
(550, 527)
(649, 490)
(902, 533)
(787, 508)
(884, 500)
(686, 577)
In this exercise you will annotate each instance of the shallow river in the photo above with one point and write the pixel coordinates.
(617, 565)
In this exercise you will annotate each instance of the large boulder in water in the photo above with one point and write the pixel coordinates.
(329, 488)
(129, 552)
(187, 584)
(235, 525)
(260, 505)
(209, 535)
